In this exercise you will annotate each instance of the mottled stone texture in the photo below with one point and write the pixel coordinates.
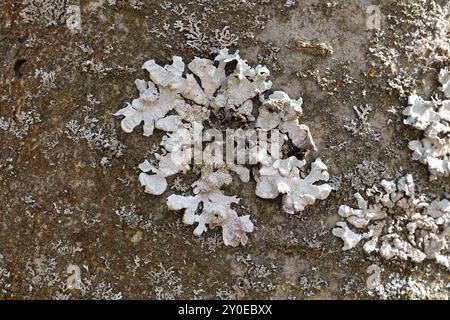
(71, 207)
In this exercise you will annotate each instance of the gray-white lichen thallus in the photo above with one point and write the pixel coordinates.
(177, 101)
(398, 224)
(433, 118)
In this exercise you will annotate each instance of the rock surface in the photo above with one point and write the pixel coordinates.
(74, 220)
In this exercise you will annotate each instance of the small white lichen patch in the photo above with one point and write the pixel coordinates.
(52, 13)
(280, 111)
(74, 277)
(373, 282)
(283, 177)
(412, 287)
(215, 209)
(432, 117)
(73, 22)
(44, 12)
(444, 79)
(184, 102)
(398, 224)
(5, 277)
